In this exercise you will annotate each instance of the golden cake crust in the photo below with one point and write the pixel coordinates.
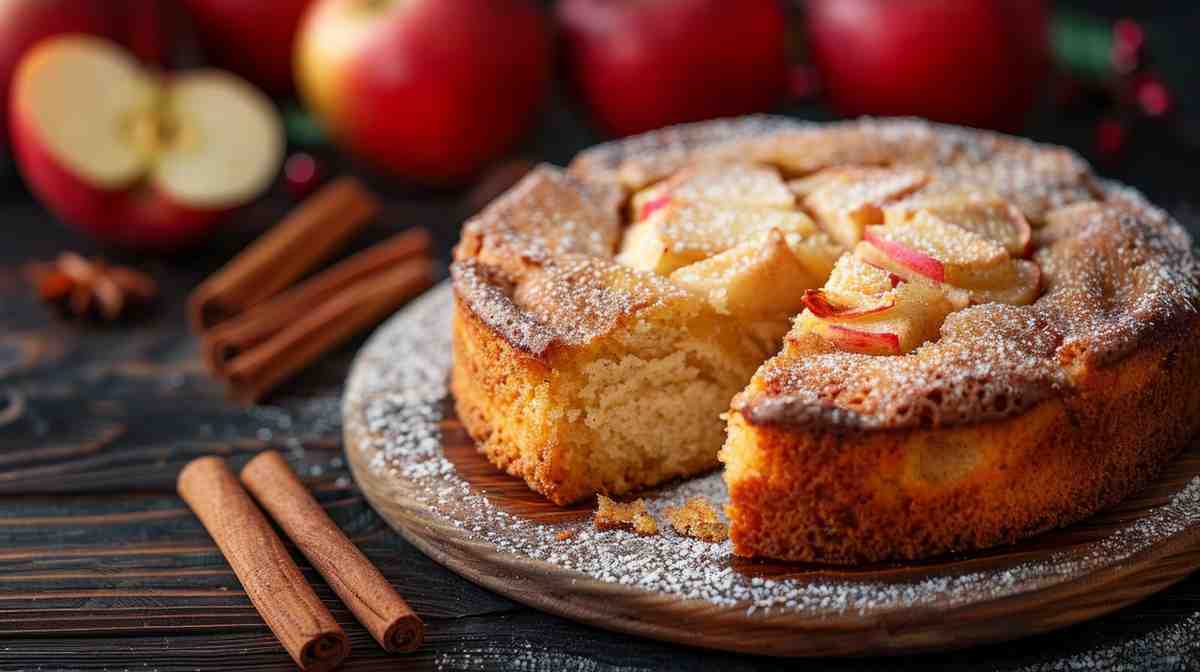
(835, 495)
(1015, 420)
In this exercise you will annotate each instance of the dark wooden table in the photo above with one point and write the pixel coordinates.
(103, 568)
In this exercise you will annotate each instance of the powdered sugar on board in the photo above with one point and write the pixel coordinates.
(397, 396)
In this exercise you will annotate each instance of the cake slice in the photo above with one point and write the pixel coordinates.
(602, 378)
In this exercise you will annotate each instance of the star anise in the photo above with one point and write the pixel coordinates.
(91, 287)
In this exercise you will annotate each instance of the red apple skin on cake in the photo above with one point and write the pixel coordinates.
(917, 261)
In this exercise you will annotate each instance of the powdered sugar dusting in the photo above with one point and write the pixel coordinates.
(1174, 647)
(395, 403)
(546, 215)
(572, 299)
(728, 183)
(1117, 274)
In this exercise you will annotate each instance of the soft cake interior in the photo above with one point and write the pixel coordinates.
(633, 407)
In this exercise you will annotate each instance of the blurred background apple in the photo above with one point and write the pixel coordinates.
(429, 90)
(130, 157)
(640, 65)
(451, 92)
(975, 62)
(253, 39)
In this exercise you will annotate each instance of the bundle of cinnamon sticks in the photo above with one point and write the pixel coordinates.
(272, 580)
(258, 328)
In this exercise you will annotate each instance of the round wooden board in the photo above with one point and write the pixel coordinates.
(421, 472)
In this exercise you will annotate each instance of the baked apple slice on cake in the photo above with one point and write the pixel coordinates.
(759, 279)
(869, 310)
(731, 184)
(985, 214)
(845, 201)
(975, 269)
(680, 233)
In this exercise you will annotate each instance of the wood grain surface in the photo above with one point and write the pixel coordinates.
(1072, 587)
(103, 568)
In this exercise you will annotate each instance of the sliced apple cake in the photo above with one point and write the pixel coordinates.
(934, 339)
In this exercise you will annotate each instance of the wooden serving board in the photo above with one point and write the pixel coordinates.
(421, 472)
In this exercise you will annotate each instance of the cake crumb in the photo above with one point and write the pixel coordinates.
(633, 516)
(566, 534)
(698, 519)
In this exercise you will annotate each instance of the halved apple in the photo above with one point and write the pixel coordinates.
(847, 200)
(731, 184)
(132, 158)
(683, 233)
(759, 279)
(989, 216)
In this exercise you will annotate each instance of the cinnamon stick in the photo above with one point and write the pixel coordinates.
(228, 339)
(254, 373)
(374, 601)
(307, 236)
(261, 562)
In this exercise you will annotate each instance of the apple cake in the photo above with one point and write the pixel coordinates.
(901, 339)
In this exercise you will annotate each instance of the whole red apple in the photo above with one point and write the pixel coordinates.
(134, 158)
(253, 39)
(644, 64)
(431, 90)
(975, 62)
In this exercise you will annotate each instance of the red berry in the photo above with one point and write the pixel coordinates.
(1128, 40)
(302, 173)
(1153, 97)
